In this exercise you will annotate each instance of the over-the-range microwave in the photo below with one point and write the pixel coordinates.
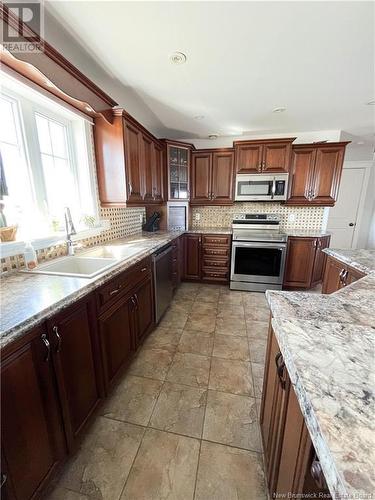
(261, 187)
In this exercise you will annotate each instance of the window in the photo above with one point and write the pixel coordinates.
(46, 164)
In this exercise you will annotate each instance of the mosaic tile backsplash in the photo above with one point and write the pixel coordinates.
(291, 217)
(123, 222)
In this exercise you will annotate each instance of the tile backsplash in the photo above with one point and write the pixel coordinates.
(123, 222)
(291, 217)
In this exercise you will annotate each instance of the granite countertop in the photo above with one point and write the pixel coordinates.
(211, 230)
(28, 299)
(362, 260)
(328, 345)
(307, 233)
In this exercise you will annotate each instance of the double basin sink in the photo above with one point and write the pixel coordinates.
(88, 263)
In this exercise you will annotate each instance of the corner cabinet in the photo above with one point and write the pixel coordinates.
(292, 466)
(212, 174)
(315, 173)
(178, 170)
(263, 156)
(129, 162)
(338, 275)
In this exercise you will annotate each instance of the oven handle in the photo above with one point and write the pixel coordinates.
(260, 244)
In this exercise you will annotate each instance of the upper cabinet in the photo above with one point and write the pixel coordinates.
(262, 156)
(315, 173)
(212, 173)
(178, 167)
(129, 162)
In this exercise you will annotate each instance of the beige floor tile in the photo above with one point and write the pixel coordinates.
(257, 329)
(201, 323)
(183, 306)
(189, 369)
(163, 338)
(174, 319)
(100, 468)
(206, 308)
(152, 363)
(256, 313)
(255, 299)
(232, 297)
(232, 420)
(258, 373)
(231, 311)
(208, 294)
(228, 375)
(227, 473)
(229, 347)
(257, 349)
(196, 344)
(133, 400)
(231, 326)
(64, 494)
(165, 468)
(180, 409)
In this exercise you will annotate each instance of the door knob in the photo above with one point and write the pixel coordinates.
(351, 224)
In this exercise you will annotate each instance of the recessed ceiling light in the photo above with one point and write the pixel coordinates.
(279, 109)
(199, 117)
(213, 137)
(178, 58)
(371, 103)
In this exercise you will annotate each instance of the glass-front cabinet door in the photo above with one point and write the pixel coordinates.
(178, 172)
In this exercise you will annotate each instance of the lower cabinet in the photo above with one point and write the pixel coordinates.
(337, 275)
(32, 434)
(305, 261)
(143, 310)
(192, 257)
(177, 261)
(291, 463)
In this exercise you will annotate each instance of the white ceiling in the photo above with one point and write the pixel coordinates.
(243, 60)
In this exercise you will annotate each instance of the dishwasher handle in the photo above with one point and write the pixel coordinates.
(163, 253)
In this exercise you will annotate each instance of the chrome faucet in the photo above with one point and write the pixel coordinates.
(70, 231)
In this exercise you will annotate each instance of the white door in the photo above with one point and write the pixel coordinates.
(342, 217)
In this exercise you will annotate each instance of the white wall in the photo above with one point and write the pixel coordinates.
(366, 238)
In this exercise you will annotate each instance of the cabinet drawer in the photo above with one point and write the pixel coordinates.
(216, 240)
(222, 252)
(123, 283)
(215, 262)
(215, 274)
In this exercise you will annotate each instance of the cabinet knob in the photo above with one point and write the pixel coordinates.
(317, 474)
(57, 335)
(48, 347)
(280, 368)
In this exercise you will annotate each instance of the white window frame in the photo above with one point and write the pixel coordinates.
(78, 131)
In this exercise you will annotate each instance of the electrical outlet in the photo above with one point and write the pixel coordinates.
(197, 216)
(291, 217)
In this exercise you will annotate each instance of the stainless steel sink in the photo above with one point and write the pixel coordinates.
(78, 267)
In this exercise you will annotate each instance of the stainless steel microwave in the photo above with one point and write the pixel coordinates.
(259, 187)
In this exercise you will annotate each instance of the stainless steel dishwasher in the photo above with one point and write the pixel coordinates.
(163, 287)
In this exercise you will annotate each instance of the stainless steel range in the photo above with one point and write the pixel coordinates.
(258, 253)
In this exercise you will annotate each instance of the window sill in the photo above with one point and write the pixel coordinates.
(11, 248)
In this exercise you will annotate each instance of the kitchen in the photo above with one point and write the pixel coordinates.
(187, 304)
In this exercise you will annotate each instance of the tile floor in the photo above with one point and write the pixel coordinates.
(183, 422)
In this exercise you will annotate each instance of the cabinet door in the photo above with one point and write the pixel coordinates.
(222, 177)
(157, 173)
(117, 344)
(300, 259)
(276, 157)
(201, 175)
(133, 164)
(353, 275)
(327, 174)
(192, 257)
(74, 345)
(320, 260)
(146, 168)
(332, 275)
(300, 180)
(144, 310)
(248, 158)
(276, 387)
(31, 429)
(178, 162)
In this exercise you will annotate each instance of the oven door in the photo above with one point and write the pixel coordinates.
(258, 262)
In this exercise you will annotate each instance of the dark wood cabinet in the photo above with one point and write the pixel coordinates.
(133, 138)
(75, 353)
(116, 337)
(337, 275)
(143, 310)
(305, 261)
(192, 257)
(315, 173)
(146, 169)
(177, 261)
(32, 436)
(288, 451)
(263, 156)
(215, 258)
(178, 159)
(158, 176)
(212, 177)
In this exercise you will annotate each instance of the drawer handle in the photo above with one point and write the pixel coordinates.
(48, 347)
(116, 290)
(56, 332)
(317, 474)
(4, 478)
(144, 269)
(280, 368)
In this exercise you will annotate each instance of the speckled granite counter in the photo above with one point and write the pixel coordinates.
(328, 345)
(307, 233)
(28, 299)
(212, 230)
(363, 260)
